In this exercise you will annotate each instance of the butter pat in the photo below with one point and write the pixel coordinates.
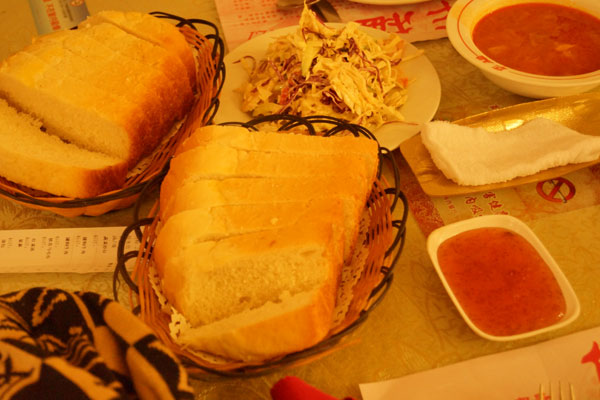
(474, 156)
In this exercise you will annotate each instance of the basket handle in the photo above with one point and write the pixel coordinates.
(123, 257)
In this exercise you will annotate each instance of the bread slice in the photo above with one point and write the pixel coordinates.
(77, 112)
(152, 29)
(223, 221)
(275, 329)
(212, 192)
(243, 139)
(263, 274)
(216, 161)
(41, 161)
(207, 193)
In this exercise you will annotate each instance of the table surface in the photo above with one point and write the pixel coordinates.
(416, 327)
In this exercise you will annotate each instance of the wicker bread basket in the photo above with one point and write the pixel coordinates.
(364, 281)
(209, 51)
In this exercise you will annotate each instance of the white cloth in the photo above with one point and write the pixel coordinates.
(474, 156)
(513, 374)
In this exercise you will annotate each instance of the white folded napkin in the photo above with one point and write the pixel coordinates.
(513, 374)
(474, 156)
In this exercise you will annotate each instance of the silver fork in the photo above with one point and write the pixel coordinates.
(569, 392)
(287, 4)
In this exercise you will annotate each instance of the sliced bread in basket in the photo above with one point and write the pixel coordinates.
(45, 162)
(207, 193)
(207, 248)
(251, 242)
(272, 291)
(217, 161)
(101, 89)
(241, 138)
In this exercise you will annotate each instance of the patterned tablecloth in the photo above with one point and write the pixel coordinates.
(416, 327)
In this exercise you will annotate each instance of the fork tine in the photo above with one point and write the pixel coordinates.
(542, 394)
(569, 392)
(572, 391)
(560, 396)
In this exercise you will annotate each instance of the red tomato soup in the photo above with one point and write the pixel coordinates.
(501, 282)
(541, 38)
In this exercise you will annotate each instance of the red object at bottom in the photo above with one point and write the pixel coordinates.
(293, 388)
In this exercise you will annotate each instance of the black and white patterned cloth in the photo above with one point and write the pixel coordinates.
(56, 344)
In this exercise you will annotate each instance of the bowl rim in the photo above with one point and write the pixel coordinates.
(514, 224)
(459, 27)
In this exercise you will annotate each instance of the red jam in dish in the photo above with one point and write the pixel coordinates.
(541, 38)
(501, 282)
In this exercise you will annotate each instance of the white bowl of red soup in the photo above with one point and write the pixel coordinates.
(534, 48)
(501, 278)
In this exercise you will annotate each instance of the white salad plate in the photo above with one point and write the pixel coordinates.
(424, 90)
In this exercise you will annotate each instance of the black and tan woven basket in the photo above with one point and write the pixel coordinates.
(203, 37)
(364, 282)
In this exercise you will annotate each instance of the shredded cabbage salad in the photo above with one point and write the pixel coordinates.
(319, 70)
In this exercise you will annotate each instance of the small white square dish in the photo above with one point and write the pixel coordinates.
(501, 278)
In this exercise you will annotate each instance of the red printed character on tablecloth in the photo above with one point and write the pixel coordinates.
(254, 19)
(494, 204)
(440, 15)
(401, 23)
(476, 210)
(593, 357)
(449, 204)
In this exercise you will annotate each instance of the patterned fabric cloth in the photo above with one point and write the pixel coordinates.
(60, 345)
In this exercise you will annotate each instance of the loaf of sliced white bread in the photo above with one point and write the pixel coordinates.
(99, 88)
(250, 247)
